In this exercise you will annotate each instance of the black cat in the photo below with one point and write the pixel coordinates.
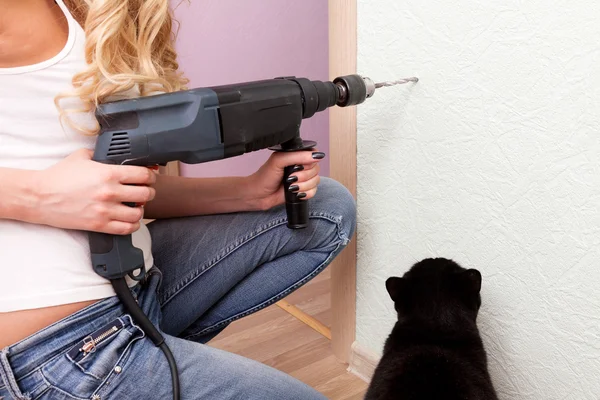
(435, 351)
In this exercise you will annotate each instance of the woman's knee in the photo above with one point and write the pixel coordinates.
(333, 200)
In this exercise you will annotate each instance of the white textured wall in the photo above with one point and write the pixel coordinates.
(492, 159)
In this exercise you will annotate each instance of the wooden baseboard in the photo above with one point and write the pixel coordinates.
(363, 362)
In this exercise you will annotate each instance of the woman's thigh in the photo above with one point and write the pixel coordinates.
(204, 373)
(219, 268)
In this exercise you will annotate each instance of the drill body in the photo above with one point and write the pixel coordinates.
(207, 124)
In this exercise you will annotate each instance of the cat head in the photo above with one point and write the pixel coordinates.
(436, 289)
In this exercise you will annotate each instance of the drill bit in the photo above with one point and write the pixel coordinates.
(371, 86)
(398, 82)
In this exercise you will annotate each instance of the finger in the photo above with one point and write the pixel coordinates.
(134, 175)
(309, 194)
(306, 167)
(123, 213)
(284, 159)
(121, 228)
(135, 194)
(305, 174)
(305, 186)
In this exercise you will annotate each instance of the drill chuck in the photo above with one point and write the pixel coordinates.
(353, 89)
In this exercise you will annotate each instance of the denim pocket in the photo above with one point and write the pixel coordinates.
(87, 366)
(99, 352)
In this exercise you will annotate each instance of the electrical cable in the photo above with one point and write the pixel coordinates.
(131, 305)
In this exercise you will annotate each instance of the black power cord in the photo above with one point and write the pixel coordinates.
(131, 305)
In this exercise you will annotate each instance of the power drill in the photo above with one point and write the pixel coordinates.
(207, 124)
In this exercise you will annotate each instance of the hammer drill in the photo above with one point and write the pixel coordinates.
(201, 125)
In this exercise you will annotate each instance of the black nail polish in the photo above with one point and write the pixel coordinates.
(293, 188)
(301, 195)
(291, 179)
(317, 155)
(298, 168)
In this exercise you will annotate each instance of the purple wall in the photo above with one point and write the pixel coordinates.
(227, 41)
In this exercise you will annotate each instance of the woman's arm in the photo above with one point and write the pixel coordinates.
(77, 193)
(178, 196)
(17, 194)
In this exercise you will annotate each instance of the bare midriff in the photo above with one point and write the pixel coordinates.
(18, 325)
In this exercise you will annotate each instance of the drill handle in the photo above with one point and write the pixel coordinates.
(296, 208)
(114, 256)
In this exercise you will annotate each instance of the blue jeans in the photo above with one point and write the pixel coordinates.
(210, 271)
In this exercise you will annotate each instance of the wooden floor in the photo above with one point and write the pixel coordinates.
(276, 338)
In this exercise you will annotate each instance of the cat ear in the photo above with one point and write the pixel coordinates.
(473, 279)
(394, 286)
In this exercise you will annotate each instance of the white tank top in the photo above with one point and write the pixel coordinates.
(42, 266)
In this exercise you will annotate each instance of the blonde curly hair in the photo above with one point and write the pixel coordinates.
(129, 46)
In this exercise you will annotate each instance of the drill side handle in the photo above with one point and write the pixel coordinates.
(296, 208)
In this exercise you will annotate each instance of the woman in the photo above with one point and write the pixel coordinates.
(64, 335)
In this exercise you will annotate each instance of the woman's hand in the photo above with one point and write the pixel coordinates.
(78, 193)
(266, 184)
